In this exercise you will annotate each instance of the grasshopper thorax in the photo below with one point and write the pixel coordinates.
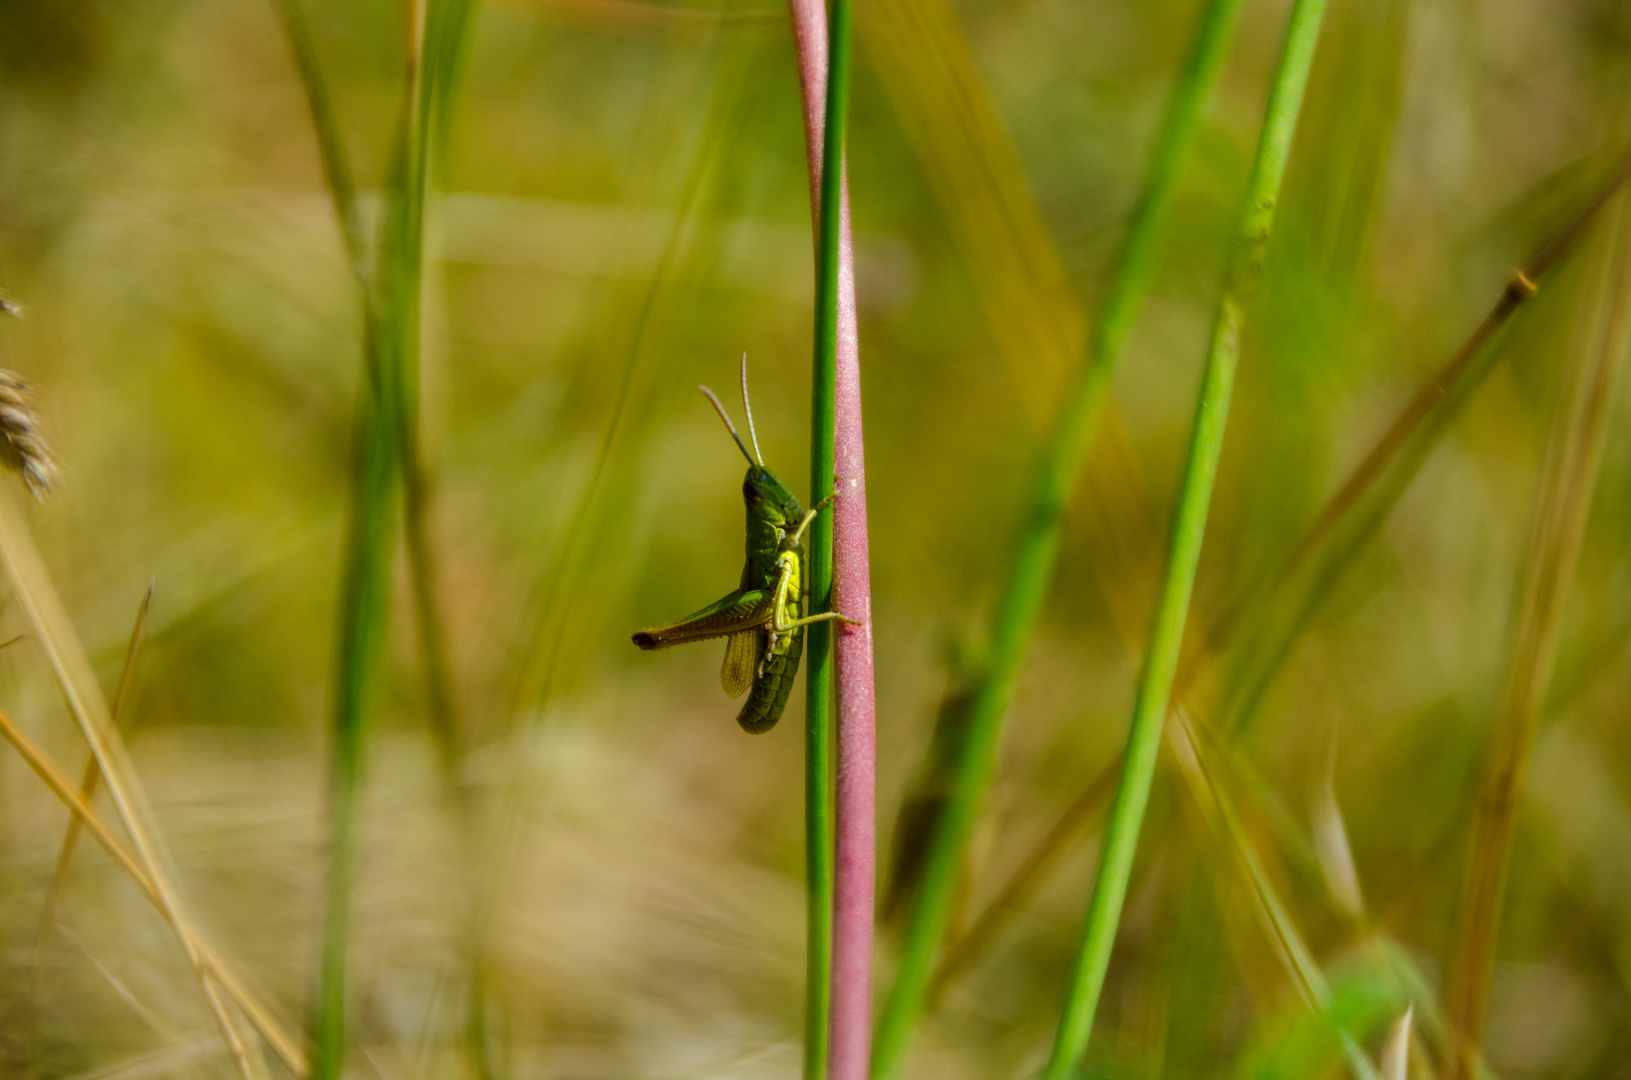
(768, 499)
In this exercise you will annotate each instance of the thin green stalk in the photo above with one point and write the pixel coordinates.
(1021, 604)
(365, 607)
(421, 137)
(1189, 525)
(818, 683)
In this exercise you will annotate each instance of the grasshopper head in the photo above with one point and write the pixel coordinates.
(768, 499)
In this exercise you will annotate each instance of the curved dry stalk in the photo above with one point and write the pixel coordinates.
(37, 596)
(285, 1047)
(1563, 500)
(88, 784)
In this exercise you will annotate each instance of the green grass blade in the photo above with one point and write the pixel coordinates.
(365, 607)
(365, 586)
(1028, 579)
(1194, 497)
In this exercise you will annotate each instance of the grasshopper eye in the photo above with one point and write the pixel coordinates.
(752, 492)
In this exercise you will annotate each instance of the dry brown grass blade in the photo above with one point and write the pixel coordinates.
(88, 783)
(285, 1047)
(1519, 288)
(37, 595)
(1562, 502)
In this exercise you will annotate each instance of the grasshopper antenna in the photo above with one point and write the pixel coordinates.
(723, 415)
(747, 407)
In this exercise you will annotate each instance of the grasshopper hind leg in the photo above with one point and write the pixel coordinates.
(768, 701)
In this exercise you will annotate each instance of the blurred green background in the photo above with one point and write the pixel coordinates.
(624, 211)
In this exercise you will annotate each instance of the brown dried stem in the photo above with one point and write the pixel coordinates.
(1562, 502)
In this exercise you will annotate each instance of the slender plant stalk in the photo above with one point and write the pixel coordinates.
(365, 598)
(838, 981)
(855, 799)
(1017, 611)
(283, 1045)
(427, 121)
(1348, 519)
(37, 596)
(1562, 502)
(365, 602)
(810, 41)
(88, 783)
(1189, 525)
(424, 136)
(388, 463)
(365, 591)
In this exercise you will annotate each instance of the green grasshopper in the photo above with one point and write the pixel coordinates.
(763, 619)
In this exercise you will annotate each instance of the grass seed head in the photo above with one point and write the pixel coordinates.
(22, 449)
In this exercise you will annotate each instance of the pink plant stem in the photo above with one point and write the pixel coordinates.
(855, 799)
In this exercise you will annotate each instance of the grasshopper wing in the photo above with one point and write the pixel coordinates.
(744, 609)
(741, 659)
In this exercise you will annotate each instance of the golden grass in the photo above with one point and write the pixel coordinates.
(89, 781)
(37, 595)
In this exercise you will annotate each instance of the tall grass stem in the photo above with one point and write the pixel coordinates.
(388, 469)
(1188, 529)
(841, 825)
(855, 797)
(1020, 606)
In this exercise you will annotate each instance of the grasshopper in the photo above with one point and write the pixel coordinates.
(763, 619)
